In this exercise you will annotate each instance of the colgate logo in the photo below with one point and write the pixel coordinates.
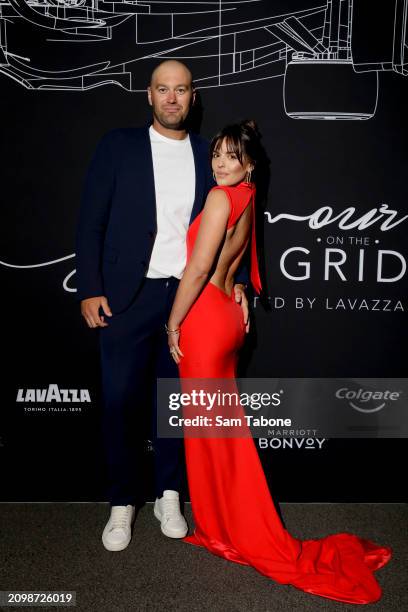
(362, 396)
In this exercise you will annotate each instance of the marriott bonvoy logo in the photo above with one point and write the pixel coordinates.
(53, 393)
(367, 401)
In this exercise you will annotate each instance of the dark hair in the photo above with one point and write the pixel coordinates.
(243, 139)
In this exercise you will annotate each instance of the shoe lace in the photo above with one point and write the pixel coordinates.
(120, 518)
(170, 507)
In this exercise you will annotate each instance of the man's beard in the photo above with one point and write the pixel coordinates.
(174, 125)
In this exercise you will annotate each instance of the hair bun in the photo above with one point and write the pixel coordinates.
(252, 125)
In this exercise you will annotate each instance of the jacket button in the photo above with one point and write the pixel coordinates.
(143, 263)
(151, 234)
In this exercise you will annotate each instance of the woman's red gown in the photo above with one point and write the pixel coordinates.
(233, 511)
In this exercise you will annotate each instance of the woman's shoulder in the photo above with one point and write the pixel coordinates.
(218, 194)
(220, 202)
(221, 193)
(236, 194)
(228, 190)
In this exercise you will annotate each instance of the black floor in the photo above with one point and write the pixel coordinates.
(57, 546)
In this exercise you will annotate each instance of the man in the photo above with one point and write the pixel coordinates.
(143, 188)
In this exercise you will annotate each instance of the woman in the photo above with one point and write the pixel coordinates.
(234, 514)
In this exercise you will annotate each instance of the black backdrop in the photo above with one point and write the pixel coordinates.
(47, 139)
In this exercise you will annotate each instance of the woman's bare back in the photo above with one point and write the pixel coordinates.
(231, 252)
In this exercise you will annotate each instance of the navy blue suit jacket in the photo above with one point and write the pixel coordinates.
(117, 219)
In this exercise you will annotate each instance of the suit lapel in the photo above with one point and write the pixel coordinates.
(200, 177)
(145, 156)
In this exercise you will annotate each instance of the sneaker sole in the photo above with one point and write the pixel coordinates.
(115, 547)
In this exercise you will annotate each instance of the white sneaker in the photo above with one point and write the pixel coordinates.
(167, 511)
(118, 530)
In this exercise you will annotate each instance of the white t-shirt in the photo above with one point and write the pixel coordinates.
(174, 181)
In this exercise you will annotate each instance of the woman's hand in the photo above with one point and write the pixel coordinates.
(241, 298)
(173, 340)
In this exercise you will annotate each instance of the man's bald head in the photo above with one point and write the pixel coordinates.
(170, 94)
(171, 67)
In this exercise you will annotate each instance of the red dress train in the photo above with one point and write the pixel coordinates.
(233, 511)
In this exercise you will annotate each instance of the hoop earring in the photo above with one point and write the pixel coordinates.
(214, 177)
(248, 176)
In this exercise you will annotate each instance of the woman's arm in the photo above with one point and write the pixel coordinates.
(210, 235)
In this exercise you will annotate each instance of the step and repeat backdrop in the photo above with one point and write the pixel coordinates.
(328, 87)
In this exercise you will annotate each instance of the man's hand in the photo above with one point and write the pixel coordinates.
(90, 311)
(241, 298)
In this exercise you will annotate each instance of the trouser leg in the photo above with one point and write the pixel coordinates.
(133, 346)
(127, 350)
(169, 452)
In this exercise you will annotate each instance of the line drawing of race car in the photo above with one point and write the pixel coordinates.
(329, 54)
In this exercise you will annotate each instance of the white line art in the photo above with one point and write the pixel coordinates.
(40, 265)
(329, 53)
(43, 264)
(324, 216)
(383, 216)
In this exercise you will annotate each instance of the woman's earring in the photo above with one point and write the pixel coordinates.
(214, 177)
(248, 176)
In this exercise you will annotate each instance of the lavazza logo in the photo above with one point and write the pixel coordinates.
(53, 394)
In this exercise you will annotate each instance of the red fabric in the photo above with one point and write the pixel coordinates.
(234, 514)
(239, 197)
